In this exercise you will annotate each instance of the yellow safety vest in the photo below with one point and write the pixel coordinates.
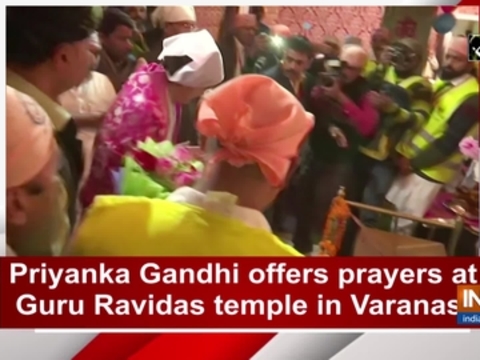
(370, 67)
(445, 105)
(391, 77)
(381, 146)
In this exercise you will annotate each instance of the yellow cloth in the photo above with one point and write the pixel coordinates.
(135, 226)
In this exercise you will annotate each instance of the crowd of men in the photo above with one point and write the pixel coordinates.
(381, 130)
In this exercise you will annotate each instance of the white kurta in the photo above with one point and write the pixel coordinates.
(93, 97)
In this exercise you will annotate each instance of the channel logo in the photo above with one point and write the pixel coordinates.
(468, 305)
(474, 47)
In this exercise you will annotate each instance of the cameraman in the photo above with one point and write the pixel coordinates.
(344, 119)
(271, 47)
(403, 100)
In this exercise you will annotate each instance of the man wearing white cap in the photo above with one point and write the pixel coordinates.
(36, 218)
(168, 21)
(431, 155)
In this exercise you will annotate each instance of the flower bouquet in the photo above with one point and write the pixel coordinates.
(470, 149)
(468, 189)
(155, 170)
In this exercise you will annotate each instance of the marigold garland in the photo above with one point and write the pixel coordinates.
(335, 225)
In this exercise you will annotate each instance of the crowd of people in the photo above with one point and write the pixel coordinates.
(281, 122)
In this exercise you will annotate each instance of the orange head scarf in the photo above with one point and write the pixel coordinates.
(255, 120)
(30, 140)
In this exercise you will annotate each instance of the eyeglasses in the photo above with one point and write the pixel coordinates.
(352, 68)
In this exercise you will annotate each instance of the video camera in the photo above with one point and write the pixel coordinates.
(333, 71)
(400, 55)
(396, 54)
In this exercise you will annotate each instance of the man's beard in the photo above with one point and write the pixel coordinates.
(447, 73)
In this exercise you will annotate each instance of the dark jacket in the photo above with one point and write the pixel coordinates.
(389, 132)
(228, 48)
(304, 96)
(154, 40)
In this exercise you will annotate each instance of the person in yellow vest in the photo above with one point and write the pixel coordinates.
(403, 100)
(432, 157)
(380, 40)
(253, 130)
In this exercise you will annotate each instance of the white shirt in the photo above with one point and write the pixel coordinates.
(93, 97)
(250, 217)
(460, 80)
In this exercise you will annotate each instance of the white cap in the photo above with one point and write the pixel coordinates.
(172, 14)
(205, 69)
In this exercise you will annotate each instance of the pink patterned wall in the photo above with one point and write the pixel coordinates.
(326, 20)
(332, 20)
(339, 21)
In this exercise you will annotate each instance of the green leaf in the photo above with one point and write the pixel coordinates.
(140, 184)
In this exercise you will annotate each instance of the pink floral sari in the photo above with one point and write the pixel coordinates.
(141, 110)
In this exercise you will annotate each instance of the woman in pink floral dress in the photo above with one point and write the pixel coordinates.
(149, 104)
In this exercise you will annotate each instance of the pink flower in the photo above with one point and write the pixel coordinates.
(145, 160)
(182, 154)
(185, 179)
(164, 166)
(469, 148)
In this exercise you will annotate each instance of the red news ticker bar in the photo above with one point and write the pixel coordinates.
(297, 295)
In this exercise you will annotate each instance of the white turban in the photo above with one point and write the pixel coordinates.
(206, 68)
(172, 14)
(30, 139)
